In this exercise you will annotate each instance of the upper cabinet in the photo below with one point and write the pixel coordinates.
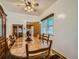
(3, 45)
(2, 22)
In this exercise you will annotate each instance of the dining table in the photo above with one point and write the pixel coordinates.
(19, 47)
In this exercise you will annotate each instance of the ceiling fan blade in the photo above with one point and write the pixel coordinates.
(21, 4)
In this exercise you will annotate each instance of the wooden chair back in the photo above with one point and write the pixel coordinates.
(45, 37)
(11, 40)
(45, 50)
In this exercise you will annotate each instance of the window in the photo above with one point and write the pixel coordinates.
(43, 26)
(50, 24)
(47, 26)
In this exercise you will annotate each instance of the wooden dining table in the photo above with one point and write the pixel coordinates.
(19, 49)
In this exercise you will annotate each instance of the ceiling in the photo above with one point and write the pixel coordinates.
(13, 6)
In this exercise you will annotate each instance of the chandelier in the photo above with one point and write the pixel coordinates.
(30, 5)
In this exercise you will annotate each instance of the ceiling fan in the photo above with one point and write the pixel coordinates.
(30, 5)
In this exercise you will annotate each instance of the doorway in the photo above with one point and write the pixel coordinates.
(17, 30)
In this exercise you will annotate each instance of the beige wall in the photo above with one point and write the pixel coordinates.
(65, 27)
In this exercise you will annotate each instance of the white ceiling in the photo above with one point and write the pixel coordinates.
(12, 5)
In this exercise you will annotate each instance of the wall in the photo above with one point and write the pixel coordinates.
(65, 27)
(16, 18)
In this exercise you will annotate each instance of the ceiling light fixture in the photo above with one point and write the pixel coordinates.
(30, 5)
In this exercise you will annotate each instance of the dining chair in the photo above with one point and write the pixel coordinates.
(12, 40)
(42, 53)
(45, 37)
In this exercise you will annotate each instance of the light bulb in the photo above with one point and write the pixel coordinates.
(29, 7)
(25, 8)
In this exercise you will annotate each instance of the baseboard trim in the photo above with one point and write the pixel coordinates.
(55, 52)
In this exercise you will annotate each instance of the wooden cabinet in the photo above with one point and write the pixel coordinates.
(2, 33)
(2, 23)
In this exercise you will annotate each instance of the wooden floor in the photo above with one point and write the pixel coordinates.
(18, 49)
